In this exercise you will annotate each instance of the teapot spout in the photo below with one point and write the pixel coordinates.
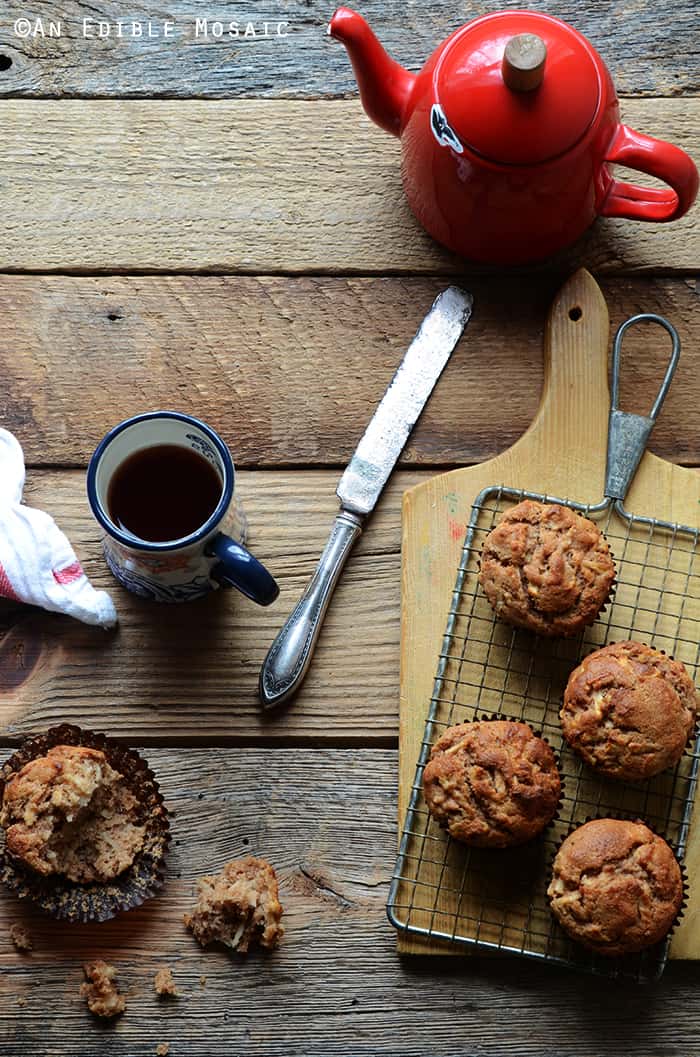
(385, 87)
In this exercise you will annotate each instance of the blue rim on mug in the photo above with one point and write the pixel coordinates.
(167, 545)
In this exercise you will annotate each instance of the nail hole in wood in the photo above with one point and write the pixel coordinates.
(113, 316)
(5, 62)
(575, 313)
(246, 841)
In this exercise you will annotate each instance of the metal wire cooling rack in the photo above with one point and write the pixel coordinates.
(497, 899)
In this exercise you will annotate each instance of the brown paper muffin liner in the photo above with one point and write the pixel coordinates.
(622, 817)
(97, 901)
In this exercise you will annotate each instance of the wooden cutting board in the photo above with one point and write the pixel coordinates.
(562, 453)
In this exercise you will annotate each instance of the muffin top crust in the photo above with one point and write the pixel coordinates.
(616, 886)
(629, 710)
(546, 568)
(492, 784)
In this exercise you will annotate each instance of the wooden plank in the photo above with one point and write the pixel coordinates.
(335, 986)
(289, 370)
(189, 673)
(562, 454)
(243, 186)
(641, 48)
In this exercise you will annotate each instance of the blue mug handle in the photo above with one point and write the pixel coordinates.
(238, 568)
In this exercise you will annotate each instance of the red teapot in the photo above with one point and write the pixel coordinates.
(509, 134)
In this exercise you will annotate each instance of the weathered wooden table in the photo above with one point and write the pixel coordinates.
(210, 224)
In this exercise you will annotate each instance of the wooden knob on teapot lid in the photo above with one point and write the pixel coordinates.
(523, 62)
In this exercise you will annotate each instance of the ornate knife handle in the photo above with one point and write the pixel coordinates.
(289, 656)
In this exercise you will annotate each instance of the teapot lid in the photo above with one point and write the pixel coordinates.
(506, 99)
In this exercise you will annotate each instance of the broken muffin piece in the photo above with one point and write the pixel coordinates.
(101, 992)
(20, 937)
(164, 983)
(70, 813)
(239, 906)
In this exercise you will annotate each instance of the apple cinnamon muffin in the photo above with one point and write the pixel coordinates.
(546, 568)
(83, 827)
(70, 813)
(629, 710)
(492, 784)
(238, 907)
(616, 886)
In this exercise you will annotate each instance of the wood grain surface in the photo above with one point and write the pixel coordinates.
(291, 369)
(188, 674)
(290, 186)
(288, 276)
(659, 59)
(336, 985)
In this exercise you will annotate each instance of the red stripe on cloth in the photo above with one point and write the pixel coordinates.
(6, 588)
(69, 575)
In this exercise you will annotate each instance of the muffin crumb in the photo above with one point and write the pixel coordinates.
(163, 1049)
(238, 907)
(21, 938)
(202, 980)
(21, 1001)
(164, 983)
(101, 992)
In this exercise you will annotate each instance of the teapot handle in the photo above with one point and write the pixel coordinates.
(657, 158)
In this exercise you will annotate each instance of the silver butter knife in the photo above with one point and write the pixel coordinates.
(360, 486)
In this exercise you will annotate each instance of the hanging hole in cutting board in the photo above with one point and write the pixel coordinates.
(575, 313)
(5, 62)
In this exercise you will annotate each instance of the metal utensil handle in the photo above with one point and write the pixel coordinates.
(289, 656)
(628, 434)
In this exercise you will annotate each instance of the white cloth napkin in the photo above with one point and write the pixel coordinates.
(37, 563)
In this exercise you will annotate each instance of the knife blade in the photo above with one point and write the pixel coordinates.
(385, 437)
(289, 657)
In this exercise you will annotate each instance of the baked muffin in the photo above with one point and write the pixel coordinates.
(70, 813)
(616, 887)
(84, 827)
(238, 907)
(492, 784)
(629, 710)
(546, 568)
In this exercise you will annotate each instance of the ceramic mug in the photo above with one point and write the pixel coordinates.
(211, 556)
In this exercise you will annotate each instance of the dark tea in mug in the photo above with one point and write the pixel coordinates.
(162, 493)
